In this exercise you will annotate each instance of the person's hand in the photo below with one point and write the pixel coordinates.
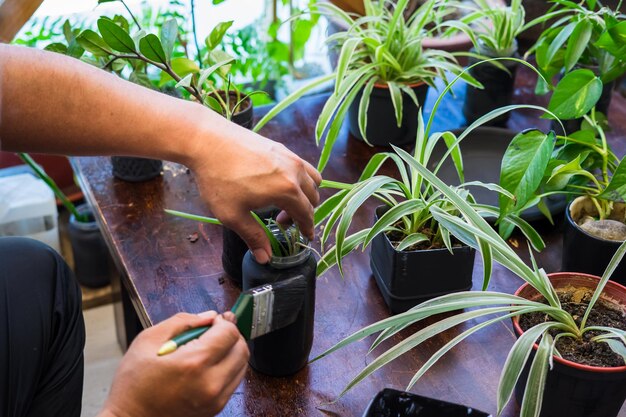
(195, 380)
(246, 171)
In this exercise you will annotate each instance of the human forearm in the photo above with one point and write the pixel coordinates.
(55, 104)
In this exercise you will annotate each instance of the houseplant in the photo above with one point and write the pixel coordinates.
(382, 75)
(559, 325)
(286, 350)
(493, 32)
(587, 35)
(405, 236)
(92, 266)
(582, 164)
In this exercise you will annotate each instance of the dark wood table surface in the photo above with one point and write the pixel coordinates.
(164, 273)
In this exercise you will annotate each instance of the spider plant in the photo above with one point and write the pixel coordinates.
(587, 34)
(493, 29)
(380, 48)
(39, 172)
(410, 199)
(470, 228)
(285, 241)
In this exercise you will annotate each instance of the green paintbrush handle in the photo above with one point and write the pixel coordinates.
(179, 340)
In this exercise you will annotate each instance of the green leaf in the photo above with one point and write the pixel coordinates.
(577, 43)
(151, 47)
(116, 37)
(203, 219)
(617, 347)
(523, 167)
(93, 43)
(185, 81)
(57, 47)
(205, 74)
(345, 57)
(576, 94)
(217, 34)
(169, 33)
(183, 66)
(616, 189)
(391, 216)
(214, 104)
(536, 382)
(618, 33)
(412, 239)
(561, 175)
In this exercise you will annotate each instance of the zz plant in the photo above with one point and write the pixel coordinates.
(381, 47)
(469, 227)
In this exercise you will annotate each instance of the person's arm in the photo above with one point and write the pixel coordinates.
(50, 103)
(194, 381)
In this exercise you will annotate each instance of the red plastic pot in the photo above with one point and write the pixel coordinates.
(572, 389)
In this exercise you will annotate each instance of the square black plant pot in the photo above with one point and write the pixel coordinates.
(407, 278)
(392, 403)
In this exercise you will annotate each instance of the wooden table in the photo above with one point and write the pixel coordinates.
(164, 273)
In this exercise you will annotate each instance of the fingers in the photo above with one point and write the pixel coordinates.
(253, 234)
(301, 211)
(230, 316)
(177, 324)
(313, 173)
(309, 188)
(218, 342)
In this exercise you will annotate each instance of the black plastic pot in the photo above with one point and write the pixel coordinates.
(497, 92)
(408, 278)
(393, 403)
(583, 252)
(602, 106)
(575, 390)
(244, 114)
(234, 248)
(91, 255)
(134, 169)
(284, 351)
(382, 127)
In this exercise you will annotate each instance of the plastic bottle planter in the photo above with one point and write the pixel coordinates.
(575, 390)
(133, 169)
(408, 278)
(497, 92)
(234, 248)
(382, 127)
(583, 252)
(91, 255)
(390, 402)
(284, 351)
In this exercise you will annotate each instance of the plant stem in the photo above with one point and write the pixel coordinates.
(195, 34)
(131, 14)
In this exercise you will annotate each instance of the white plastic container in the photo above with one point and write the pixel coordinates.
(28, 208)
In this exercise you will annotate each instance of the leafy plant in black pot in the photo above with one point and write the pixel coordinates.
(557, 380)
(493, 31)
(382, 75)
(406, 237)
(92, 265)
(284, 351)
(587, 35)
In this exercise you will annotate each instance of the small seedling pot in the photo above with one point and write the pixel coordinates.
(497, 92)
(583, 252)
(244, 115)
(134, 169)
(234, 248)
(391, 402)
(575, 390)
(91, 255)
(382, 128)
(407, 278)
(284, 351)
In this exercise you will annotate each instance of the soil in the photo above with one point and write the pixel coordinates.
(583, 351)
(396, 237)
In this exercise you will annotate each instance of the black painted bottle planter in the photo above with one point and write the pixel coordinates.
(408, 278)
(497, 92)
(234, 248)
(134, 169)
(575, 390)
(382, 127)
(583, 252)
(92, 266)
(284, 351)
(393, 403)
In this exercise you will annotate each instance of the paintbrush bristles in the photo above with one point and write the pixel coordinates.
(288, 297)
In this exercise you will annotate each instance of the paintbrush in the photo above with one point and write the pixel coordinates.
(259, 311)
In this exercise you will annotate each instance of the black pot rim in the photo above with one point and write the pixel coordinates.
(587, 368)
(569, 218)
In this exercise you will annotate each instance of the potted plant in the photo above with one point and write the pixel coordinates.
(587, 35)
(91, 255)
(286, 350)
(382, 75)
(405, 236)
(537, 166)
(493, 31)
(560, 322)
